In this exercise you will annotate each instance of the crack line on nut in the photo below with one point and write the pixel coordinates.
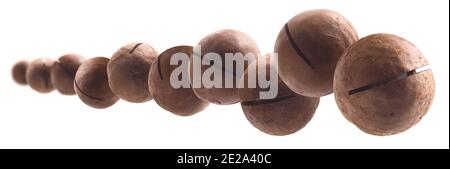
(296, 48)
(268, 101)
(388, 80)
(46, 76)
(82, 92)
(159, 68)
(65, 70)
(135, 47)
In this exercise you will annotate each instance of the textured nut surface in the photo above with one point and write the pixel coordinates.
(309, 46)
(180, 101)
(221, 42)
(19, 71)
(393, 97)
(283, 115)
(128, 72)
(63, 73)
(91, 83)
(38, 75)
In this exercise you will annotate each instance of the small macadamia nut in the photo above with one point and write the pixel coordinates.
(128, 72)
(181, 100)
(19, 71)
(91, 83)
(285, 114)
(221, 43)
(38, 75)
(63, 73)
(309, 46)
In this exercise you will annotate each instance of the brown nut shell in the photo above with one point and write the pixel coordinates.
(128, 72)
(180, 101)
(63, 73)
(91, 83)
(378, 85)
(285, 114)
(38, 75)
(19, 71)
(222, 42)
(309, 46)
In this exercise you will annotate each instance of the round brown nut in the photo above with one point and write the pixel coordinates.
(180, 100)
(285, 114)
(381, 85)
(221, 43)
(38, 75)
(18, 72)
(128, 72)
(91, 83)
(63, 73)
(309, 46)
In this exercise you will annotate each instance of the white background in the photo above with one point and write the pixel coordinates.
(31, 29)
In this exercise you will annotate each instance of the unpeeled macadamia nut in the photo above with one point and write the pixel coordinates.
(63, 73)
(91, 83)
(38, 75)
(309, 46)
(18, 72)
(285, 114)
(221, 43)
(382, 84)
(180, 100)
(128, 72)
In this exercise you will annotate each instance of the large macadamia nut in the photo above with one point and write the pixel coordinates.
(380, 84)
